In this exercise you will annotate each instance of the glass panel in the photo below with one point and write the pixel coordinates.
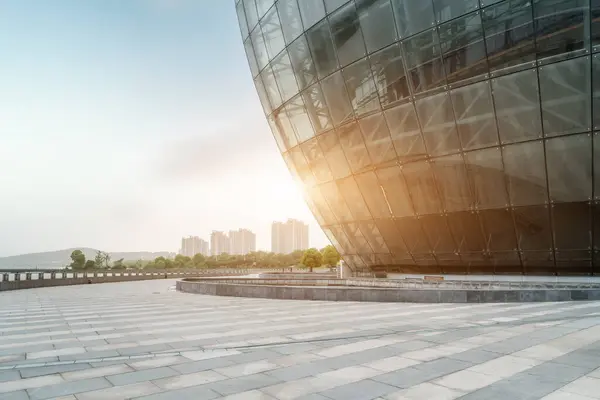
(361, 87)
(561, 26)
(596, 165)
(317, 108)
(565, 93)
(466, 231)
(423, 61)
(317, 214)
(342, 239)
(475, 117)
(438, 233)
(271, 29)
(321, 47)
(337, 99)
(572, 226)
(250, 56)
(570, 168)
(316, 161)
(334, 154)
(356, 203)
(508, 27)
(420, 182)
(332, 5)
(262, 95)
(241, 14)
(289, 14)
(596, 82)
(311, 11)
(437, 121)
(354, 146)
(281, 144)
(321, 205)
(452, 182)
(395, 191)
(595, 11)
(596, 227)
(373, 194)
(392, 237)
(251, 14)
(336, 202)
(463, 48)
(486, 175)
(540, 262)
(448, 9)
(516, 99)
(389, 75)
(377, 138)
(413, 235)
(301, 167)
(413, 16)
(377, 23)
(304, 67)
(373, 236)
(299, 119)
(525, 168)
(263, 6)
(260, 48)
(268, 78)
(284, 74)
(405, 132)
(533, 227)
(347, 36)
(285, 130)
(498, 230)
(356, 237)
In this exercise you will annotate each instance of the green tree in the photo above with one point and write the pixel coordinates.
(118, 264)
(199, 260)
(312, 258)
(78, 259)
(330, 256)
(90, 264)
(102, 259)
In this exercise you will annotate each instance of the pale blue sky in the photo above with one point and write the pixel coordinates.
(126, 124)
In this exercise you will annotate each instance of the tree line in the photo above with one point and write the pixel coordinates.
(311, 258)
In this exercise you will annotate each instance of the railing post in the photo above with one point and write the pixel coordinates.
(5, 277)
(28, 276)
(40, 275)
(52, 275)
(17, 276)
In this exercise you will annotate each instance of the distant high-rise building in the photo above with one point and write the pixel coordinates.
(289, 236)
(242, 242)
(192, 245)
(219, 243)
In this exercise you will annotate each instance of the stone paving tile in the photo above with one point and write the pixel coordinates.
(67, 388)
(361, 390)
(141, 376)
(333, 350)
(52, 369)
(120, 392)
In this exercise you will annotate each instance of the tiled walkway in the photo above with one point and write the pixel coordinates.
(144, 340)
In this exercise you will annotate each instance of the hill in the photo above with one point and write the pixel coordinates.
(60, 258)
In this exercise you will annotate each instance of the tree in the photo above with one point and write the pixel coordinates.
(90, 264)
(330, 256)
(102, 259)
(312, 258)
(199, 260)
(118, 264)
(78, 259)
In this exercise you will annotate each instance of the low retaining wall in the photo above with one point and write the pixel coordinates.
(31, 280)
(337, 290)
(297, 275)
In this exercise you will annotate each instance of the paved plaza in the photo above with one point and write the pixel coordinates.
(145, 340)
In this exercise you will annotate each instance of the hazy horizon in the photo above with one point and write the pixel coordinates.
(128, 125)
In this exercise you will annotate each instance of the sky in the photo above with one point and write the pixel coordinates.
(127, 124)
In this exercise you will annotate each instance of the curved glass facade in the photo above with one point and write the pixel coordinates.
(438, 136)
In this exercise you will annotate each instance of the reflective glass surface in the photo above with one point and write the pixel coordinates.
(438, 136)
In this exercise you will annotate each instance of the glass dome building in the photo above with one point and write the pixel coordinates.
(438, 136)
